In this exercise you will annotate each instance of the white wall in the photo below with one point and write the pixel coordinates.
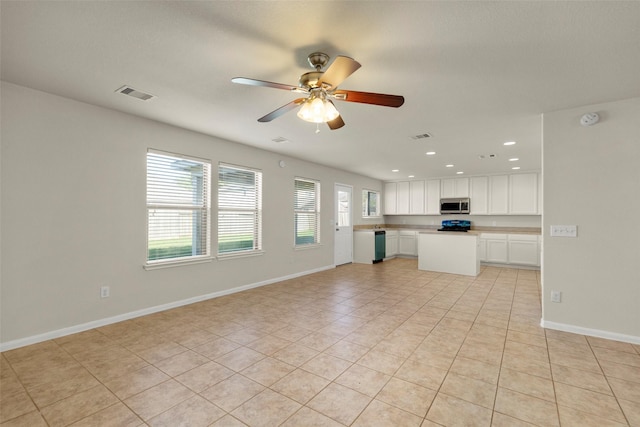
(74, 215)
(592, 180)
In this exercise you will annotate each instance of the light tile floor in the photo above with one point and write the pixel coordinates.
(360, 345)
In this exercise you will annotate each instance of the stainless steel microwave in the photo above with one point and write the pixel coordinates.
(460, 205)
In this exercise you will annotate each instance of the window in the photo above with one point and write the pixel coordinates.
(239, 210)
(370, 203)
(306, 211)
(178, 207)
(344, 210)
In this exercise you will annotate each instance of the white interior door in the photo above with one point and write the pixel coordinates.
(343, 251)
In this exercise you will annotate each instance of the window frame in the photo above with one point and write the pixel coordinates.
(256, 232)
(366, 193)
(315, 212)
(203, 207)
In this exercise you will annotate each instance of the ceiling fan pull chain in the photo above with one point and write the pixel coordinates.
(317, 127)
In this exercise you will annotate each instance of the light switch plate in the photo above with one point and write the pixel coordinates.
(564, 231)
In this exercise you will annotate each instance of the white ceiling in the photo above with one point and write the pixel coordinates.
(473, 74)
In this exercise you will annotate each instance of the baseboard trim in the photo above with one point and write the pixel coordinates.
(590, 332)
(34, 339)
(514, 266)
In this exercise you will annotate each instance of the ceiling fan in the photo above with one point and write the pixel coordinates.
(321, 88)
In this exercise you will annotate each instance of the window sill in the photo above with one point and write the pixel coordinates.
(233, 255)
(177, 263)
(305, 247)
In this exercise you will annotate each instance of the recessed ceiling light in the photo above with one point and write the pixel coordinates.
(515, 168)
(431, 153)
(510, 143)
(395, 170)
(412, 176)
(459, 173)
(514, 159)
(448, 166)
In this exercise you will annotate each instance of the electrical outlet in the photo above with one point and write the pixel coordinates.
(556, 296)
(564, 230)
(105, 291)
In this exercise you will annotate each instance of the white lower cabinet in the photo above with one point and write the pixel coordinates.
(516, 249)
(391, 239)
(496, 248)
(482, 248)
(524, 249)
(408, 243)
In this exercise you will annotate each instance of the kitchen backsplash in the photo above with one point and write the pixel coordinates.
(517, 221)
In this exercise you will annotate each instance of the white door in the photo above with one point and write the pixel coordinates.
(343, 251)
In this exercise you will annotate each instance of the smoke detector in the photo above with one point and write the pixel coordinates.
(589, 119)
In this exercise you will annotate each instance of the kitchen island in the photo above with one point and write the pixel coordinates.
(449, 252)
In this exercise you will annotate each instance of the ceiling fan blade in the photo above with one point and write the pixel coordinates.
(341, 68)
(369, 98)
(336, 123)
(282, 110)
(263, 83)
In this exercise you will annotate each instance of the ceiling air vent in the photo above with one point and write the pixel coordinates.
(280, 140)
(128, 90)
(421, 136)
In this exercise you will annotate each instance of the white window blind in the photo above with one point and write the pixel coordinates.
(239, 209)
(306, 211)
(178, 207)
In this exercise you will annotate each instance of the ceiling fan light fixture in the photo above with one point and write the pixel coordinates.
(317, 109)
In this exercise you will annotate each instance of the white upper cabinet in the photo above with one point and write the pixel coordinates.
(390, 197)
(403, 198)
(498, 195)
(432, 197)
(479, 195)
(416, 197)
(523, 194)
(516, 194)
(454, 187)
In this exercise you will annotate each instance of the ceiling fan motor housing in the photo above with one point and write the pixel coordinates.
(310, 80)
(318, 60)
